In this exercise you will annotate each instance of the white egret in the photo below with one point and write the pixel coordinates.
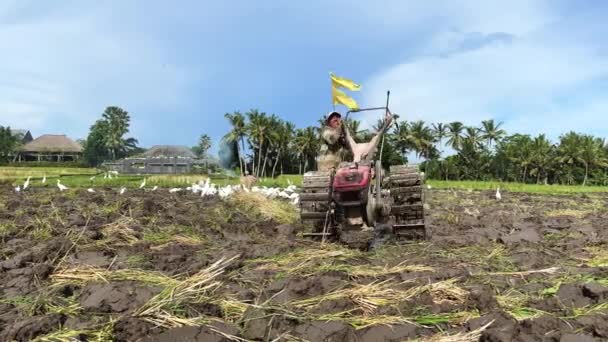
(27, 183)
(61, 186)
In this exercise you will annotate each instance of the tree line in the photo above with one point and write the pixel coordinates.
(107, 139)
(265, 145)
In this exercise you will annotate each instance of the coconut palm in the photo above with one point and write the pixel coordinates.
(258, 128)
(403, 139)
(117, 121)
(272, 137)
(421, 137)
(285, 135)
(440, 131)
(237, 133)
(542, 156)
(491, 131)
(307, 145)
(591, 154)
(454, 134)
(473, 137)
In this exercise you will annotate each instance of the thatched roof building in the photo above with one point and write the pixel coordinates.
(51, 147)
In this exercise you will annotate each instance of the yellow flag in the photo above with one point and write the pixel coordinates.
(341, 82)
(338, 97)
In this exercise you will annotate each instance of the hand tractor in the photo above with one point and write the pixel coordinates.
(356, 200)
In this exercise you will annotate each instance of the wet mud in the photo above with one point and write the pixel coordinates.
(151, 266)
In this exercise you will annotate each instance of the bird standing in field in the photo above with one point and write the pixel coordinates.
(27, 183)
(61, 186)
(44, 179)
(498, 195)
(143, 183)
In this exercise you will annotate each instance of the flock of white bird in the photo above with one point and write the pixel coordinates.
(205, 188)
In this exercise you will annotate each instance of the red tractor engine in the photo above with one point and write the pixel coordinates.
(351, 185)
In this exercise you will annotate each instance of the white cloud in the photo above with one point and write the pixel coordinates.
(61, 68)
(516, 73)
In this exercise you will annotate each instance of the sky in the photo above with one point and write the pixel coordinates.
(177, 67)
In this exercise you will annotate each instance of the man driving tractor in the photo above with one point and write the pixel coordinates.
(337, 140)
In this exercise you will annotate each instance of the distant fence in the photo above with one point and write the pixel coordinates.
(167, 165)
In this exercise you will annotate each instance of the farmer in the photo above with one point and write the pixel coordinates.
(333, 143)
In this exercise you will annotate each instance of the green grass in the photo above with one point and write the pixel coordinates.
(19, 174)
(515, 187)
(80, 178)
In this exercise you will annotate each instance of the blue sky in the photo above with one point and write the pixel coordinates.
(538, 66)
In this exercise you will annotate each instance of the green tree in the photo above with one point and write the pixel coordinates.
(284, 140)
(8, 143)
(95, 148)
(403, 139)
(569, 154)
(440, 131)
(204, 144)
(591, 154)
(455, 134)
(307, 145)
(543, 154)
(117, 121)
(257, 128)
(237, 134)
(491, 131)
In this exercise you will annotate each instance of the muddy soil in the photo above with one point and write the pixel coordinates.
(92, 267)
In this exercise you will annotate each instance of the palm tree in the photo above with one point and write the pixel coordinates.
(237, 132)
(455, 134)
(421, 137)
(257, 128)
(285, 135)
(403, 139)
(272, 136)
(117, 121)
(307, 144)
(569, 153)
(491, 131)
(542, 156)
(591, 154)
(440, 131)
(473, 137)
